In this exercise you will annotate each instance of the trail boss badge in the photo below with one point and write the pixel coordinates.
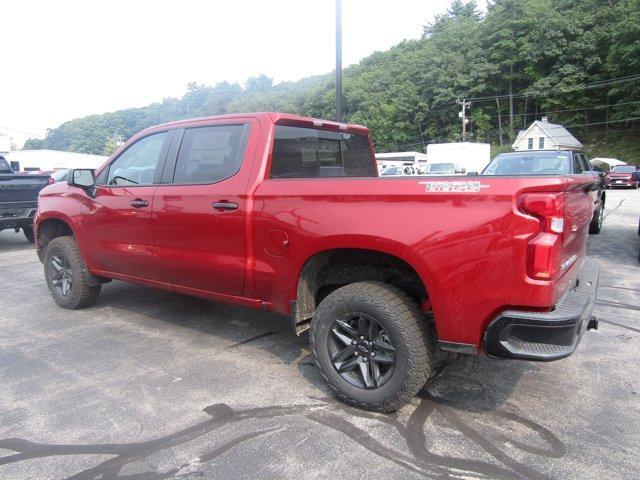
(453, 186)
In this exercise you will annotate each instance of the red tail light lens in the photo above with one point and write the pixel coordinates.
(543, 251)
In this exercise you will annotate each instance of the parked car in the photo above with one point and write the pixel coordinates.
(441, 169)
(399, 170)
(621, 176)
(555, 162)
(285, 213)
(59, 175)
(18, 198)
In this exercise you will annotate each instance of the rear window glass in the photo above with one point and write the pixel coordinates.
(623, 169)
(311, 153)
(542, 163)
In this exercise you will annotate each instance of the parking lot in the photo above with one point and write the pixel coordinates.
(148, 385)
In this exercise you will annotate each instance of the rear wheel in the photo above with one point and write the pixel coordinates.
(28, 233)
(596, 222)
(67, 275)
(370, 344)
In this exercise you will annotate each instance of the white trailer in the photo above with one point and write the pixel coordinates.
(457, 158)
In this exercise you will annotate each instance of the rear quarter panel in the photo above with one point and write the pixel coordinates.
(468, 247)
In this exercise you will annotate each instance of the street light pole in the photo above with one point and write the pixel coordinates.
(339, 60)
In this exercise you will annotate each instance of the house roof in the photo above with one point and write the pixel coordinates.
(554, 131)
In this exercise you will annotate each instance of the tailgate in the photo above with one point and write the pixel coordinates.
(21, 188)
(579, 204)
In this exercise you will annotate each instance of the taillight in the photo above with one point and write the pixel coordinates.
(543, 251)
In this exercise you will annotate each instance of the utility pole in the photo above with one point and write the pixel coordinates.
(463, 115)
(339, 60)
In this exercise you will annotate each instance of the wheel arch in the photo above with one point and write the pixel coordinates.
(329, 269)
(49, 227)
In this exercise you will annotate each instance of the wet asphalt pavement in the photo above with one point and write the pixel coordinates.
(150, 385)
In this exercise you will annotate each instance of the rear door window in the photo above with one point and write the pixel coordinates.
(210, 154)
(311, 153)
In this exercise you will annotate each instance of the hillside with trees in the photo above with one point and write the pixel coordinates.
(575, 62)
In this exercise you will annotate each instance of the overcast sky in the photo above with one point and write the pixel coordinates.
(65, 59)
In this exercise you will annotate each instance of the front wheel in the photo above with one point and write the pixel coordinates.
(370, 344)
(66, 275)
(596, 222)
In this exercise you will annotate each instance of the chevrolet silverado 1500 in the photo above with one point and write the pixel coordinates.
(288, 214)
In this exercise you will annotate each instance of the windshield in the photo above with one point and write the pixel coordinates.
(4, 166)
(623, 169)
(441, 168)
(540, 163)
(60, 175)
(389, 171)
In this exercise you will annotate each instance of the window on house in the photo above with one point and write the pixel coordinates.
(530, 145)
(541, 143)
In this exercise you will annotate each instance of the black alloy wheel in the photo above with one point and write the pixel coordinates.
(361, 350)
(61, 278)
(372, 345)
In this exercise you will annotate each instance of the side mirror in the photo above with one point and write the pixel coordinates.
(81, 178)
(636, 176)
(601, 174)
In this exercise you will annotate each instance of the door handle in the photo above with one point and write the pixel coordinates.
(139, 203)
(224, 205)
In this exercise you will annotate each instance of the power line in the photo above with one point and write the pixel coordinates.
(553, 112)
(31, 134)
(567, 89)
(497, 132)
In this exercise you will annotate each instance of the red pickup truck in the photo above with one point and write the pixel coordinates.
(288, 214)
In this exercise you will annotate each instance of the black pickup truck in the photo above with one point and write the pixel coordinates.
(19, 198)
(553, 162)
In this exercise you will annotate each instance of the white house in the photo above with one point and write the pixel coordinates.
(542, 135)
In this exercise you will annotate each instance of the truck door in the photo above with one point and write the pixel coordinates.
(200, 208)
(117, 218)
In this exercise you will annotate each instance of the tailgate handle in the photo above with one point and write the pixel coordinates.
(224, 205)
(139, 203)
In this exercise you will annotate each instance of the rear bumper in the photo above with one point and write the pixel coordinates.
(622, 183)
(545, 336)
(16, 217)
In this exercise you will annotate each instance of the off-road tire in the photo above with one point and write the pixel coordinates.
(596, 222)
(28, 234)
(407, 327)
(81, 294)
